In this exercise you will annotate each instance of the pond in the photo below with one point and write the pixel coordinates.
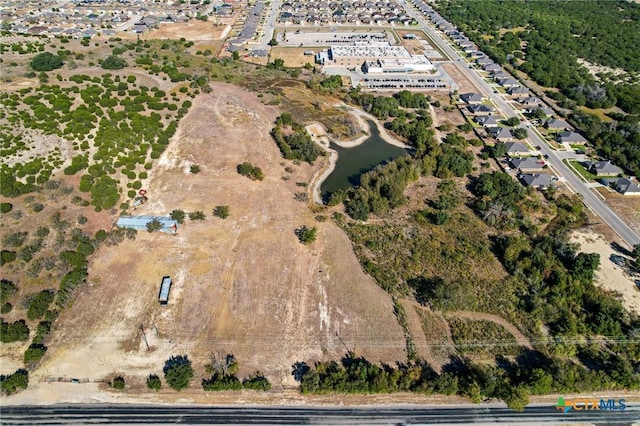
(354, 162)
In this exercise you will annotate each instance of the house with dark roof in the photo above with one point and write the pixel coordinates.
(486, 120)
(518, 91)
(509, 82)
(527, 164)
(570, 137)
(537, 180)
(605, 168)
(501, 134)
(555, 124)
(471, 98)
(626, 186)
(517, 149)
(492, 67)
(480, 109)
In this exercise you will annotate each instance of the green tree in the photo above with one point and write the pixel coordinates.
(46, 61)
(178, 372)
(39, 304)
(5, 207)
(154, 382)
(512, 121)
(114, 62)
(520, 133)
(221, 211)
(34, 353)
(178, 216)
(154, 225)
(306, 234)
(13, 382)
(257, 382)
(197, 215)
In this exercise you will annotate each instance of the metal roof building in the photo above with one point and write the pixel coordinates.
(140, 223)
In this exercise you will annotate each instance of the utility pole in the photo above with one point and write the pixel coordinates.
(342, 341)
(144, 336)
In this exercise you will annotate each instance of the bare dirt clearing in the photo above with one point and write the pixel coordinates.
(610, 275)
(464, 84)
(193, 30)
(243, 285)
(294, 56)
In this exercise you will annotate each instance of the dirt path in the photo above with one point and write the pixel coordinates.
(520, 338)
(417, 334)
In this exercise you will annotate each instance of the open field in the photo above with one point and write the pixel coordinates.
(464, 84)
(294, 57)
(627, 207)
(193, 30)
(243, 285)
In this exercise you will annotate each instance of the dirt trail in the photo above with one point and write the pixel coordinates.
(417, 334)
(520, 338)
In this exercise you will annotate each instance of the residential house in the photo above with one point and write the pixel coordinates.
(527, 164)
(537, 180)
(570, 137)
(555, 124)
(480, 109)
(509, 82)
(604, 168)
(517, 149)
(471, 98)
(486, 120)
(501, 134)
(530, 101)
(492, 67)
(518, 91)
(627, 187)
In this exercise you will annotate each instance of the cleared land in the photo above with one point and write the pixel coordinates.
(193, 30)
(464, 84)
(243, 285)
(294, 57)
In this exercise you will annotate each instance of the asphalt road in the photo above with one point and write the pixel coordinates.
(380, 415)
(593, 201)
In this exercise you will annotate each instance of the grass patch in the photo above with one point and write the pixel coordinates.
(479, 337)
(580, 170)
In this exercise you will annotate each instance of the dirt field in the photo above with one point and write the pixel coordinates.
(243, 285)
(627, 207)
(610, 275)
(193, 30)
(294, 56)
(464, 84)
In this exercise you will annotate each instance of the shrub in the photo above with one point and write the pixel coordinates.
(6, 308)
(178, 216)
(154, 382)
(195, 169)
(11, 383)
(114, 62)
(306, 234)
(257, 382)
(197, 215)
(178, 372)
(13, 332)
(154, 225)
(249, 170)
(46, 62)
(39, 304)
(5, 207)
(118, 383)
(7, 256)
(34, 353)
(7, 289)
(221, 211)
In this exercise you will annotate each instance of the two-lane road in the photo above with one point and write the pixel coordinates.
(590, 199)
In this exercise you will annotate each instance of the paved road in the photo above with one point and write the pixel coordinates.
(593, 201)
(269, 26)
(380, 415)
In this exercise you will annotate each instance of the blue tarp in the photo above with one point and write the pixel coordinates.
(140, 223)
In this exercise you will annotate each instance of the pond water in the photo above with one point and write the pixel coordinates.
(354, 162)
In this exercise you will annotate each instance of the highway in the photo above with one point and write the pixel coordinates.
(488, 414)
(593, 201)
